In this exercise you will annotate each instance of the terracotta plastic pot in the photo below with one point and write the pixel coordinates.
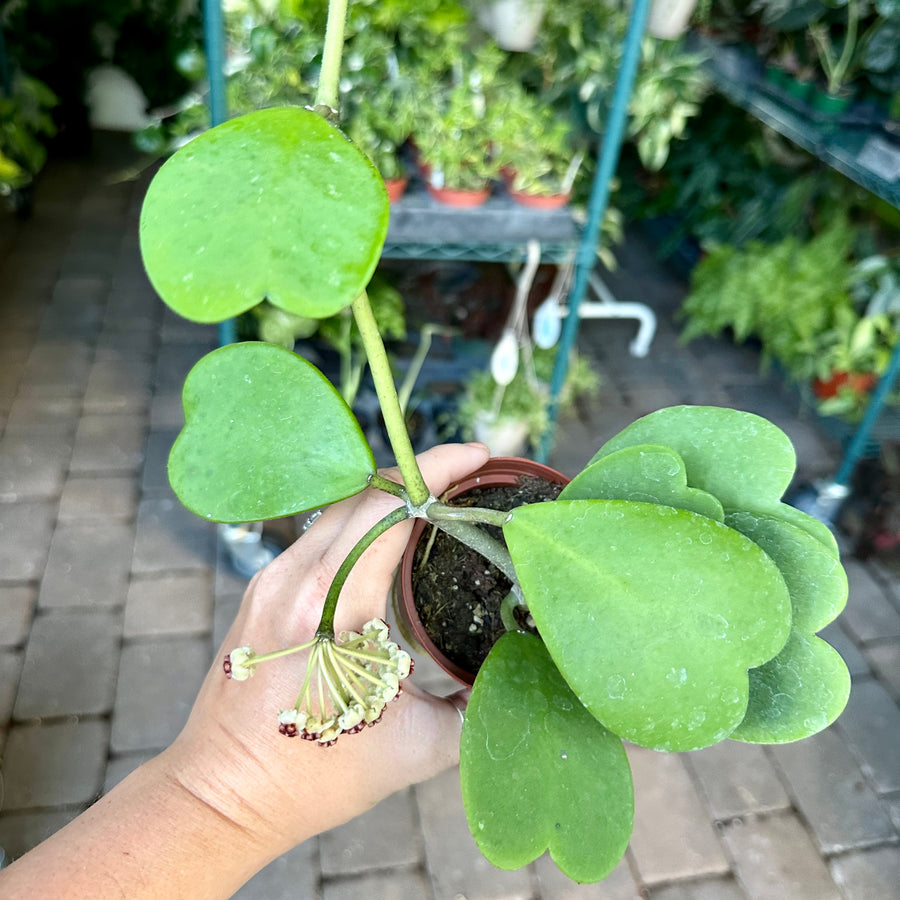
(858, 382)
(395, 188)
(461, 199)
(498, 471)
(540, 201)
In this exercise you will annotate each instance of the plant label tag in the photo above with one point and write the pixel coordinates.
(881, 158)
(505, 359)
(547, 323)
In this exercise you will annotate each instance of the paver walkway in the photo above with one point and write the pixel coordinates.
(112, 602)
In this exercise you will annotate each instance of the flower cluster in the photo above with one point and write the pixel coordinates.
(348, 683)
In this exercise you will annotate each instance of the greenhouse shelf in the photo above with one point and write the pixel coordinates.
(498, 231)
(856, 145)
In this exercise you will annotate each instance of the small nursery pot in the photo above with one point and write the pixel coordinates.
(497, 471)
(540, 201)
(458, 198)
(858, 382)
(396, 187)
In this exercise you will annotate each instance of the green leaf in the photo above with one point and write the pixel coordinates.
(818, 529)
(274, 205)
(648, 473)
(796, 694)
(740, 458)
(652, 614)
(265, 435)
(538, 771)
(816, 580)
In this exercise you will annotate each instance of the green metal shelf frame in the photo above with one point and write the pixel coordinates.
(738, 77)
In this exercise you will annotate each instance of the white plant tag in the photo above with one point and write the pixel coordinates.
(505, 359)
(547, 324)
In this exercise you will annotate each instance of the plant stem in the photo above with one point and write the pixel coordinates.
(326, 622)
(418, 360)
(330, 75)
(440, 512)
(843, 64)
(387, 398)
(507, 614)
(388, 486)
(472, 536)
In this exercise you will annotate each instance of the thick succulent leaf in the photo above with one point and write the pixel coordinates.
(818, 529)
(274, 205)
(277, 440)
(538, 771)
(816, 580)
(795, 695)
(740, 458)
(652, 614)
(648, 473)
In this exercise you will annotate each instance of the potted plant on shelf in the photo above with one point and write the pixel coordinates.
(667, 597)
(857, 351)
(454, 133)
(533, 145)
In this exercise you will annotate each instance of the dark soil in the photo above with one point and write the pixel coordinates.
(457, 592)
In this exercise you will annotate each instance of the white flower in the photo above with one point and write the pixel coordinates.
(240, 663)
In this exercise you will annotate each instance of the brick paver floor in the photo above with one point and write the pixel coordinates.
(113, 598)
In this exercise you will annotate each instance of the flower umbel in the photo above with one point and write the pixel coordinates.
(348, 683)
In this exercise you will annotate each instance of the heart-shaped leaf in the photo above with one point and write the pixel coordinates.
(816, 580)
(738, 457)
(796, 694)
(819, 530)
(648, 473)
(652, 614)
(265, 435)
(538, 771)
(276, 205)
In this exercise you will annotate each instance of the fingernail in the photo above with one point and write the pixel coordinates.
(478, 445)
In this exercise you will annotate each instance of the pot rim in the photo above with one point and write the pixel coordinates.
(497, 471)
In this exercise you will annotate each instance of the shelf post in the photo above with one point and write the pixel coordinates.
(610, 146)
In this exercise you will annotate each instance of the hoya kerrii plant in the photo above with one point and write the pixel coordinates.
(675, 598)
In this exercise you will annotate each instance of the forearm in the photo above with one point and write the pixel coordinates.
(150, 837)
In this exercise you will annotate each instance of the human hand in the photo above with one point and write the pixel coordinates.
(230, 753)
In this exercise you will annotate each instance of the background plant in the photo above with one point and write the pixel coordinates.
(26, 123)
(526, 398)
(808, 303)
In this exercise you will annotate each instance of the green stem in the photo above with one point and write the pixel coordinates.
(849, 46)
(326, 623)
(387, 398)
(507, 616)
(388, 486)
(492, 550)
(440, 512)
(330, 75)
(345, 357)
(418, 360)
